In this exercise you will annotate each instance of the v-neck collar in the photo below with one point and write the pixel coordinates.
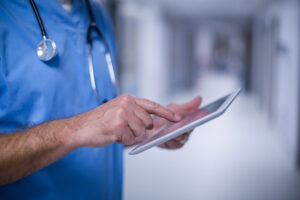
(78, 17)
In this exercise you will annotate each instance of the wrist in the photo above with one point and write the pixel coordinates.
(69, 134)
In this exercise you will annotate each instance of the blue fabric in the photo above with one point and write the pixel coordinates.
(32, 92)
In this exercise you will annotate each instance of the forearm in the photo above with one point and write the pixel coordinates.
(121, 120)
(26, 152)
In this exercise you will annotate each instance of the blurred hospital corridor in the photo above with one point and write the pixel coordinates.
(237, 156)
(174, 50)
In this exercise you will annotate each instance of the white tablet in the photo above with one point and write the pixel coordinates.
(172, 130)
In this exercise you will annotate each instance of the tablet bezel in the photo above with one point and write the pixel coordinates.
(230, 98)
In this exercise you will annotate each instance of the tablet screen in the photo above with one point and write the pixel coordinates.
(170, 126)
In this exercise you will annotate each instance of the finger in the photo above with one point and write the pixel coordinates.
(182, 137)
(187, 107)
(144, 120)
(173, 144)
(158, 122)
(127, 137)
(136, 125)
(140, 138)
(155, 108)
(144, 116)
(133, 121)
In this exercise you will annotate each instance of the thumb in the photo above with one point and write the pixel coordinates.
(193, 104)
(187, 107)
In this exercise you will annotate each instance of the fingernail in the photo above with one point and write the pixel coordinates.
(177, 117)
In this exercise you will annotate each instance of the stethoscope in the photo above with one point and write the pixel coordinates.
(47, 49)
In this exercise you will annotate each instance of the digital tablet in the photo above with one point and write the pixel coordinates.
(172, 130)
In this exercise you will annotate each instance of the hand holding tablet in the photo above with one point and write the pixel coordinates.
(183, 109)
(172, 130)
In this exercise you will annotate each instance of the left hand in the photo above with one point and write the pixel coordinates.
(182, 109)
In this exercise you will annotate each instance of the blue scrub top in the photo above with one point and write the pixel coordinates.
(33, 92)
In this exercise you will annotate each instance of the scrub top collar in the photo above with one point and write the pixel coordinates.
(77, 19)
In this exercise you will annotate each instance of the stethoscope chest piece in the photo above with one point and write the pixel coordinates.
(46, 49)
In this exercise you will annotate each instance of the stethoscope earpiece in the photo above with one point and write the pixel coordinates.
(46, 49)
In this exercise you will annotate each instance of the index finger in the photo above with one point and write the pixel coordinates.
(157, 109)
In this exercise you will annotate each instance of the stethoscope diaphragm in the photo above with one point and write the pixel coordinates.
(46, 49)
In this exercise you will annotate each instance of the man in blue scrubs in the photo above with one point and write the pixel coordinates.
(56, 141)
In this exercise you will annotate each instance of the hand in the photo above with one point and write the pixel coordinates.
(182, 109)
(121, 120)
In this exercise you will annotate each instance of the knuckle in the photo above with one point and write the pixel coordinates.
(120, 124)
(121, 112)
(125, 100)
(125, 96)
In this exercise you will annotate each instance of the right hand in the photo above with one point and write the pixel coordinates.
(121, 120)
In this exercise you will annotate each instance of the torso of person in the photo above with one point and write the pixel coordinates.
(33, 92)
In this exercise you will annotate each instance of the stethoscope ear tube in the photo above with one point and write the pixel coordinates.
(92, 74)
(111, 71)
(108, 58)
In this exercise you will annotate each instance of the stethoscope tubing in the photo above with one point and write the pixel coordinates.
(92, 27)
(39, 19)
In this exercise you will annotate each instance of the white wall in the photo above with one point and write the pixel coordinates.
(281, 88)
(152, 55)
(145, 57)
